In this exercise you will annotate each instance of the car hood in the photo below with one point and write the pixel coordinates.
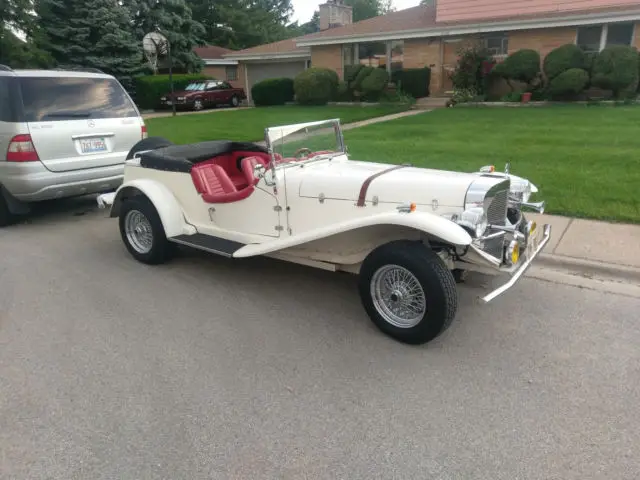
(343, 180)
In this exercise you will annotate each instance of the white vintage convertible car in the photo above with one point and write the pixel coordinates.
(407, 232)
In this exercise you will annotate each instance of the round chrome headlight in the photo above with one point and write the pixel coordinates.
(474, 219)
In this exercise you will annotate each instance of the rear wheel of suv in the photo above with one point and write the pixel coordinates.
(6, 217)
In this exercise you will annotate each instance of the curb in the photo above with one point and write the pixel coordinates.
(589, 268)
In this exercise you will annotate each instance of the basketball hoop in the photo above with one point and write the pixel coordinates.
(154, 45)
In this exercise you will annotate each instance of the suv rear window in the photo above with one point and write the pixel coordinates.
(9, 99)
(48, 99)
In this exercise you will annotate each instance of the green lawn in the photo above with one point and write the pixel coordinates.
(584, 159)
(249, 125)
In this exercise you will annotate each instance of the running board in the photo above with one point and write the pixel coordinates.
(217, 245)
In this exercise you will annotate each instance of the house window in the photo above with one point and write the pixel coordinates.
(232, 73)
(347, 54)
(595, 38)
(373, 54)
(589, 38)
(396, 52)
(620, 34)
(497, 44)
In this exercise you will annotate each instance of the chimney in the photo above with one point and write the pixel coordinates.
(335, 13)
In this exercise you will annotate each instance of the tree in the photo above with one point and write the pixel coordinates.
(90, 33)
(240, 24)
(18, 28)
(173, 18)
(364, 9)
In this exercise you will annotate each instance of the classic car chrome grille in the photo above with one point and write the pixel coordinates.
(497, 215)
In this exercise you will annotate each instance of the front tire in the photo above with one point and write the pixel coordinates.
(408, 292)
(142, 231)
(235, 101)
(198, 104)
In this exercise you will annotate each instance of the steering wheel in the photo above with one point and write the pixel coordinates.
(301, 150)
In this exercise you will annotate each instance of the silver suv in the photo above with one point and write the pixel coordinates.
(62, 134)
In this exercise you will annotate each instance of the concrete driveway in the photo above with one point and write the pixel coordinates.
(209, 368)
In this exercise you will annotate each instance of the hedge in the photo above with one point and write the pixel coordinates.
(150, 88)
(316, 86)
(363, 73)
(522, 66)
(374, 84)
(562, 59)
(414, 81)
(616, 69)
(569, 83)
(275, 91)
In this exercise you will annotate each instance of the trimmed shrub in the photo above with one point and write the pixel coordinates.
(364, 72)
(523, 66)
(351, 72)
(374, 84)
(413, 81)
(316, 86)
(616, 69)
(344, 93)
(569, 83)
(150, 88)
(562, 59)
(275, 91)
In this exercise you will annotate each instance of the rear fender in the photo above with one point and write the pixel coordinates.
(433, 225)
(164, 201)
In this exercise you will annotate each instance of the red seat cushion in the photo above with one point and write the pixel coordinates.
(215, 186)
(248, 167)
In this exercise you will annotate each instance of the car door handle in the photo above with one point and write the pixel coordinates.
(91, 135)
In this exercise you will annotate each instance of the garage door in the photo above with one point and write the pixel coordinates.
(265, 71)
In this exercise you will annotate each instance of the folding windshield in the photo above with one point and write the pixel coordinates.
(306, 140)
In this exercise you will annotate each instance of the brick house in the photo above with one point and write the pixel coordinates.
(430, 35)
(219, 67)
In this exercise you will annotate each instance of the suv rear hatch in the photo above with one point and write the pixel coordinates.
(79, 122)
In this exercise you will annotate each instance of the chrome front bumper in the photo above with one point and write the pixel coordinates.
(535, 250)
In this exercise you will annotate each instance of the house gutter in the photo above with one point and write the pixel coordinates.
(485, 27)
(269, 56)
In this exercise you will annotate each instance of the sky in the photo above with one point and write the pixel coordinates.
(303, 9)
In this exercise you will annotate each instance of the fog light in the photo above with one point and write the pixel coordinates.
(513, 253)
(532, 227)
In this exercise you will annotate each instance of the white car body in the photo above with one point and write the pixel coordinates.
(331, 212)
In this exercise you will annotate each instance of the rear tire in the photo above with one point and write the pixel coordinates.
(142, 232)
(408, 292)
(150, 143)
(6, 217)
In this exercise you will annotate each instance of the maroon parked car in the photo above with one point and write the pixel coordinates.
(205, 93)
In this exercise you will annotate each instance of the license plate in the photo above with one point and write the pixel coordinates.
(169, 102)
(93, 145)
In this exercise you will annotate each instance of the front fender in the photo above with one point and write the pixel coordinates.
(429, 223)
(164, 201)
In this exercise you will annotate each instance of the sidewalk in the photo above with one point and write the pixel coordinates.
(190, 112)
(592, 248)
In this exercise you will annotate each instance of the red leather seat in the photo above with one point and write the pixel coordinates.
(215, 186)
(249, 165)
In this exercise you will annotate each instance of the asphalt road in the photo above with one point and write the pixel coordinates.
(212, 368)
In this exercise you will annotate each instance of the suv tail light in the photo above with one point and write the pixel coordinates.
(21, 149)
(144, 132)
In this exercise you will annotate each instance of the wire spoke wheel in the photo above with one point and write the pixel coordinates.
(398, 296)
(138, 231)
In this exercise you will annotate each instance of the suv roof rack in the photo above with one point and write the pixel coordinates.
(5, 68)
(79, 69)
